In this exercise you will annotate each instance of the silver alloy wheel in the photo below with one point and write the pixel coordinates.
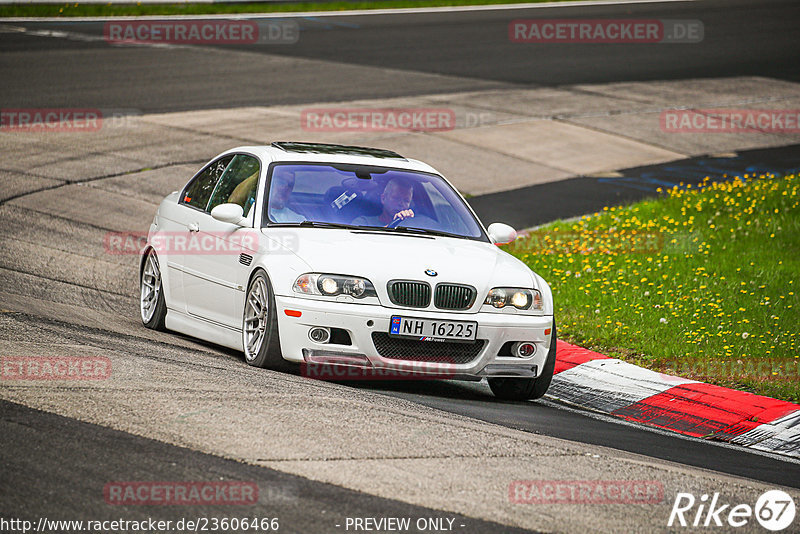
(255, 318)
(151, 287)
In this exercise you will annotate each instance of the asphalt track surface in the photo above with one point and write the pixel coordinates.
(84, 458)
(583, 195)
(46, 454)
(556, 420)
(417, 53)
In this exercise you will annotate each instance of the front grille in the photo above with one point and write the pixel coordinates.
(410, 294)
(414, 350)
(454, 296)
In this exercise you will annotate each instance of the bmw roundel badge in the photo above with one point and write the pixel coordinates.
(430, 272)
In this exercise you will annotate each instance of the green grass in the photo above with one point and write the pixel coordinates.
(696, 283)
(78, 9)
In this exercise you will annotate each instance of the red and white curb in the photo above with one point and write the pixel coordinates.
(692, 408)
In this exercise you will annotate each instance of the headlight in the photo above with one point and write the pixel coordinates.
(497, 297)
(328, 286)
(331, 285)
(522, 299)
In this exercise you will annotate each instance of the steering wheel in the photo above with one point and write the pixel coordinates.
(395, 223)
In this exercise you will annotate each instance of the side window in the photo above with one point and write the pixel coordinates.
(238, 183)
(199, 190)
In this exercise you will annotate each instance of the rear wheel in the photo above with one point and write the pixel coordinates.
(262, 346)
(152, 305)
(527, 388)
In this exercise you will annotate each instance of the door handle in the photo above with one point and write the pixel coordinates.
(194, 227)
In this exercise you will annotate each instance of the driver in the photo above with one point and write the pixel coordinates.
(395, 199)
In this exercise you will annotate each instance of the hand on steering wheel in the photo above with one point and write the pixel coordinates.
(399, 217)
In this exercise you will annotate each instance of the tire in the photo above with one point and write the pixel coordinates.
(260, 340)
(527, 388)
(152, 306)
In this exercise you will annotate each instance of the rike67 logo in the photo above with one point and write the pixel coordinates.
(774, 510)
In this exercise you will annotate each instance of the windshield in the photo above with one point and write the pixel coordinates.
(367, 197)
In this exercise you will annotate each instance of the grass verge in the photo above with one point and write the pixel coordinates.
(77, 9)
(699, 283)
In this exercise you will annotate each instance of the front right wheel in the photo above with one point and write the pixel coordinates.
(527, 388)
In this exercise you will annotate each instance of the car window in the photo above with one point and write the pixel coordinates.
(199, 190)
(238, 183)
(444, 211)
(366, 196)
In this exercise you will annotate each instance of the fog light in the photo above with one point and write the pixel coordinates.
(319, 334)
(524, 350)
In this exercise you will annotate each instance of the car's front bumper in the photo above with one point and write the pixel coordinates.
(361, 321)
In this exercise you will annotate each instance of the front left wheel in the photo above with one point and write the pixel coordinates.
(527, 388)
(152, 305)
(262, 346)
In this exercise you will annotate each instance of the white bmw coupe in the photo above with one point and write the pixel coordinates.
(347, 256)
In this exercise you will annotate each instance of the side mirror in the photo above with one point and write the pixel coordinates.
(229, 213)
(500, 233)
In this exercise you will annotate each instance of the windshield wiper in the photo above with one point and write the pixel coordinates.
(319, 224)
(397, 229)
(414, 230)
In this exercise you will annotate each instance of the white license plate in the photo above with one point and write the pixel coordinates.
(432, 329)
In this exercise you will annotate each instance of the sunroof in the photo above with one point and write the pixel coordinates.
(323, 148)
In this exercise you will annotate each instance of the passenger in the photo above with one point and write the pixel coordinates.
(244, 194)
(280, 191)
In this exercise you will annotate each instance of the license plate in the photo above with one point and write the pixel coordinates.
(432, 329)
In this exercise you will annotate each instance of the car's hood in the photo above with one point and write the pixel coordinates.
(381, 256)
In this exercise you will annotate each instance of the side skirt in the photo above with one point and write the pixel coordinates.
(204, 329)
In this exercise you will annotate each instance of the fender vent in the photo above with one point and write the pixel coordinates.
(245, 259)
